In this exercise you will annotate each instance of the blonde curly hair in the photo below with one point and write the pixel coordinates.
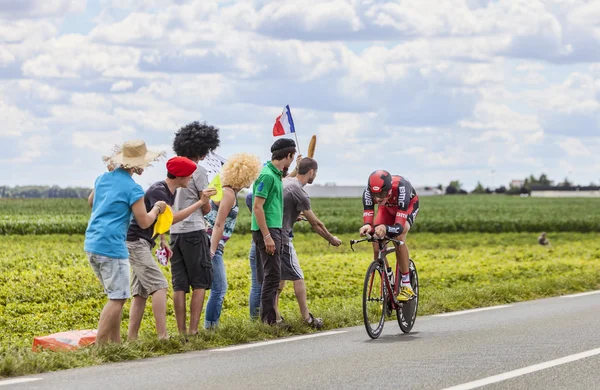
(240, 170)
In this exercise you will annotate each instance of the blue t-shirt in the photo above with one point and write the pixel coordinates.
(114, 194)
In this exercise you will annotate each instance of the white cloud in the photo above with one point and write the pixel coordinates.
(186, 24)
(70, 117)
(122, 85)
(14, 30)
(16, 122)
(101, 141)
(6, 57)
(333, 18)
(463, 86)
(570, 108)
(39, 8)
(32, 89)
(29, 149)
(574, 147)
(168, 118)
(72, 56)
(135, 27)
(493, 116)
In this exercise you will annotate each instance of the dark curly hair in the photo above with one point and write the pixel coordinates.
(196, 140)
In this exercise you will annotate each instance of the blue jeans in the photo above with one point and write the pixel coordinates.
(217, 291)
(255, 287)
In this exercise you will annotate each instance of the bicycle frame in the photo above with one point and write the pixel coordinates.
(382, 259)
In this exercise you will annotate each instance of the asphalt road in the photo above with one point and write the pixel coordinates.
(543, 340)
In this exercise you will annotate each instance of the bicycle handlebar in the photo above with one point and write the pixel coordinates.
(370, 238)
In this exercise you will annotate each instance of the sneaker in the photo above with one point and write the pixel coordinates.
(283, 325)
(316, 323)
(406, 294)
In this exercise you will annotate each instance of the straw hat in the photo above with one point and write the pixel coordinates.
(132, 154)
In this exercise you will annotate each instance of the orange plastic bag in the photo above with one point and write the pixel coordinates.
(69, 340)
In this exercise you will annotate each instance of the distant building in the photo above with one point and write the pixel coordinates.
(517, 183)
(330, 190)
(565, 192)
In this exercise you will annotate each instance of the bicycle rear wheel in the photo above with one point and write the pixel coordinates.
(407, 314)
(374, 300)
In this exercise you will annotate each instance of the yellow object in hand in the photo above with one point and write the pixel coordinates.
(216, 183)
(163, 222)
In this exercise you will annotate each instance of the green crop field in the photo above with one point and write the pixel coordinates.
(438, 214)
(470, 251)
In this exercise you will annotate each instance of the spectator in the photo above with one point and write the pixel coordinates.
(296, 202)
(255, 288)
(116, 196)
(543, 240)
(146, 277)
(239, 172)
(267, 221)
(191, 263)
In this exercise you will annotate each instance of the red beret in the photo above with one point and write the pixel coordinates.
(181, 166)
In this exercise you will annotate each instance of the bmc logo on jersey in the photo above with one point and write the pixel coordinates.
(368, 199)
(402, 215)
(402, 196)
(368, 214)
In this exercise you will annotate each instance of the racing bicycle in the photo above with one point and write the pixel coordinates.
(381, 288)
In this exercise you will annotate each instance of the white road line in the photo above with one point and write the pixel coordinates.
(525, 370)
(580, 295)
(263, 343)
(457, 313)
(17, 381)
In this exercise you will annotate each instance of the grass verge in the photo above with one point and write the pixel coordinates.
(46, 286)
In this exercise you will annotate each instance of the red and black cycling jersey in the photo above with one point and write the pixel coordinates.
(402, 206)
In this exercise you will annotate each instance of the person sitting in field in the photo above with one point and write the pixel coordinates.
(237, 173)
(296, 202)
(115, 197)
(146, 277)
(542, 240)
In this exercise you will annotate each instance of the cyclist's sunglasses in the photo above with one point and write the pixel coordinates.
(381, 195)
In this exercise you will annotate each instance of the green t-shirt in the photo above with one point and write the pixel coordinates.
(268, 185)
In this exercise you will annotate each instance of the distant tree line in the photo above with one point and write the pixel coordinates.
(456, 187)
(43, 192)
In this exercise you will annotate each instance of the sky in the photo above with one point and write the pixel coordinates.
(468, 90)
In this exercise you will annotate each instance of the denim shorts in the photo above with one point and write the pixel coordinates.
(113, 275)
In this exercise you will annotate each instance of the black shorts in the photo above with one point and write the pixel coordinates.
(191, 264)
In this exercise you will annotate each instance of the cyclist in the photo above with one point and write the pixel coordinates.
(398, 205)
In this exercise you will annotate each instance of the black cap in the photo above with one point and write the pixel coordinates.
(283, 143)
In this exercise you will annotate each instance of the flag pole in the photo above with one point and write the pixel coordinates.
(297, 144)
(293, 128)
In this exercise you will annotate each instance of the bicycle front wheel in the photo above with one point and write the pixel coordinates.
(374, 300)
(407, 314)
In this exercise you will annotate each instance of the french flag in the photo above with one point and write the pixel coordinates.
(284, 124)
